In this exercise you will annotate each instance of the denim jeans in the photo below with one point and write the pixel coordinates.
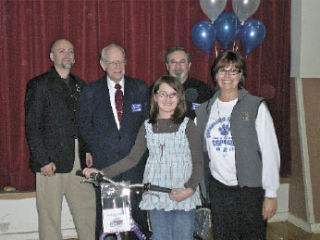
(172, 225)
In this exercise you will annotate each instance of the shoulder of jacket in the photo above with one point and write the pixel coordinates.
(97, 83)
(253, 98)
(135, 81)
(40, 80)
(198, 82)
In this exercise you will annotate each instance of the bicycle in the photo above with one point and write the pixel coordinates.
(116, 204)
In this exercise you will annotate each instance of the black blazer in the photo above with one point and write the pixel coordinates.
(98, 126)
(50, 120)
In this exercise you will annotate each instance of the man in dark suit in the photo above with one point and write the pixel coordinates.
(51, 104)
(109, 125)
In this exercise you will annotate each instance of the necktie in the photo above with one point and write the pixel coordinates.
(119, 101)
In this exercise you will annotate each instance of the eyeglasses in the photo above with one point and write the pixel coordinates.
(232, 72)
(174, 62)
(114, 63)
(165, 95)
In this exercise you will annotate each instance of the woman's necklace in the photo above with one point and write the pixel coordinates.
(161, 145)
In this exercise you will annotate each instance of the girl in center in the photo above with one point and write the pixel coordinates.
(175, 161)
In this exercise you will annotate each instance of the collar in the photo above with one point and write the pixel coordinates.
(186, 81)
(111, 84)
(241, 93)
(53, 70)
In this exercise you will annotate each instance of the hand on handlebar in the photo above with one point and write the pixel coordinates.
(88, 171)
(180, 194)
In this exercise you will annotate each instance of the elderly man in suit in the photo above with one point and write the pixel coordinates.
(112, 110)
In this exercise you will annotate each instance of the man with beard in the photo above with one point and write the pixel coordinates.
(51, 106)
(178, 63)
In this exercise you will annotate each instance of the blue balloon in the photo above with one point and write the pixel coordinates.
(203, 35)
(227, 27)
(252, 34)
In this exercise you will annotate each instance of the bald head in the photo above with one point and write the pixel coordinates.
(57, 42)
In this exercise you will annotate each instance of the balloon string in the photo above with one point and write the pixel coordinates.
(209, 69)
(216, 50)
(235, 46)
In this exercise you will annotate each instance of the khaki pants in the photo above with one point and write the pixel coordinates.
(80, 198)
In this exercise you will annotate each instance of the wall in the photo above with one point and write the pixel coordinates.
(305, 115)
(19, 219)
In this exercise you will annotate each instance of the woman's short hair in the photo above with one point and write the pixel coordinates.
(226, 59)
(180, 111)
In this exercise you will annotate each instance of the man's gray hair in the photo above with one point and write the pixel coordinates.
(112, 45)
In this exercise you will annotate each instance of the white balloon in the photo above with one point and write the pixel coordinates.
(212, 8)
(245, 8)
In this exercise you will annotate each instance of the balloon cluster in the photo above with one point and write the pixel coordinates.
(226, 27)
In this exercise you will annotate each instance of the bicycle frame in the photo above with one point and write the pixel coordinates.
(116, 205)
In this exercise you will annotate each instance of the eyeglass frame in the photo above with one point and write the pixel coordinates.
(114, 63)
(231, 72)
(182, 62)
(165, 95)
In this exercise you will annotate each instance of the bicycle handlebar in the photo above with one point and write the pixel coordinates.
(150, 187)
(99, 178)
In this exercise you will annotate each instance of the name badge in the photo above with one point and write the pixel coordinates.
(136, 107)
(195, 105)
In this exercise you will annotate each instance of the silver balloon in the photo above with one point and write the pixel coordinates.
(245, 8)
(212, 8)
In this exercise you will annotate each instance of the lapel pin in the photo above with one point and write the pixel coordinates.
(245, 116)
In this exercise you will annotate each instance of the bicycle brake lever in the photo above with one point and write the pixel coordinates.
(90, 181)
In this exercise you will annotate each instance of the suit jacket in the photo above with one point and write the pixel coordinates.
(98, 126)
(50, 120)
